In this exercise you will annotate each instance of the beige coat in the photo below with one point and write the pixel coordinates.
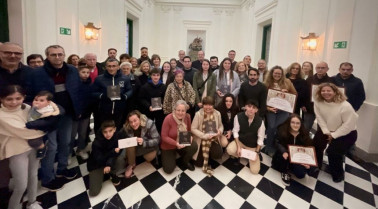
(196, 127)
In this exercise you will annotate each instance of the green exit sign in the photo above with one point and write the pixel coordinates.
(65, 31)
(339, 44)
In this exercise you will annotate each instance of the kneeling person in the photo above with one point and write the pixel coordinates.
(103, 157)
(248, 131)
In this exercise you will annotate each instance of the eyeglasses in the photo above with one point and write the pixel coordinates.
(56, 55)
(9, 53)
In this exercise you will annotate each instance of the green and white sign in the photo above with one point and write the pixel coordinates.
(339, 44)
(65, 31)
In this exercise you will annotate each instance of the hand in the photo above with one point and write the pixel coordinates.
(304, 109)
(228, 135)
(106, 169)
(306, 166)
(117, 150)
(272, 109)
(140, 141)
(200, 105)
(179, 146)
(151, 110)
(284, 90)
(238, 151)
(209, 136)
(285, 155)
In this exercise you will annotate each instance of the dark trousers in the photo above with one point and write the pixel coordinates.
(96, 177)
(168, 157)
(284, 166)
(336, 150)
(215, 152)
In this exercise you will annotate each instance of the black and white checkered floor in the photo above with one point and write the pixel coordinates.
(232, 186)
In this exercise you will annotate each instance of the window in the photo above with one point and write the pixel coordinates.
(129, 37)
(4, 32)
(266, 42)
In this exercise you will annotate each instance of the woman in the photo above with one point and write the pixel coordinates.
(242, 69)
(15, 144)
(336, 127)
(204, 82)
(228, 109)
(134, 64)
(275, 117)
(73, 59)
(144, 68)
(148, 139)
(126, 68)
(166, 75)
(155, 59)
(178, 90)
(294, 73)
(210, 141)
(227, 80)
(291, 132)
(173, 63)
(308, 69)
(176, 122)
(132, 102)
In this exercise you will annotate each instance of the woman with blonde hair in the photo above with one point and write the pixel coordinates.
(242, 69)
(275, 117)
(337, 123)
(144, 68)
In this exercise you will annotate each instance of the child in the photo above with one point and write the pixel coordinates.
(80, 126)
(14, 137)
(42, 116)
(102, 158)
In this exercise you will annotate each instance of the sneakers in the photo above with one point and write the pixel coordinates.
(84, 155)
(54, 185)
(286, 179)
(34, 205)
(115, 180)
(68, 174)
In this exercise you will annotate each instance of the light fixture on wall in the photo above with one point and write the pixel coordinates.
(310, 42)
(91, 32)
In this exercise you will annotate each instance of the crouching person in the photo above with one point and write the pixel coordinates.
(249, 132)
(103, 157)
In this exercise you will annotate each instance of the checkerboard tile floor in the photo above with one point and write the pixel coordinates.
(232, 186)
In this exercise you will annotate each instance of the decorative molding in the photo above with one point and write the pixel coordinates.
(196, 25)
(217, 11)
(199, 3)
(149, 3)
(165, 9)
(267, 7)
(135, 5)
(229, 12)
(177, 9)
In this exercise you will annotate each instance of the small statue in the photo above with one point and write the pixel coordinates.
(194, 47)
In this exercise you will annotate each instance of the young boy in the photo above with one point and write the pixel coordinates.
(81, 125)
(44, 116)
(249, 133)
(103, 157)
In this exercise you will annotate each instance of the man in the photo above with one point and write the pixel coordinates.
(249, 132)
(214, 63)
(231, 55)
(263, 70)
(63, 81)
(254, 90)
(124, 58)
(34, 60)
(111, 90)
(12, 71)
(198, 63)
(321, 76)
(247, 60)
(95, 67)
(143, 55)
(112, 53)
(354, 88)
(180, 62)
(189, 70)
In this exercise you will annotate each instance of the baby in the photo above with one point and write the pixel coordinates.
(44, 116)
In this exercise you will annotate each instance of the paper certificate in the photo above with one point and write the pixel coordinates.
(128, 142)
(251, 155)
(281, 100)
(302, 155)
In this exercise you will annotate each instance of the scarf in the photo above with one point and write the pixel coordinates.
(206, 145)
(181, 125)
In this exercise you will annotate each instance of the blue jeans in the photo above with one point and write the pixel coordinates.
(273, 120)
(58, 142)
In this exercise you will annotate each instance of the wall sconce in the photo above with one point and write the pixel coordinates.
(309, 42)
(91, 32)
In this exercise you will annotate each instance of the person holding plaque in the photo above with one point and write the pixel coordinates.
(275, 117)
(204, 82)
(175, 123)
(207, 130)
(148, 139)
(337, 122)
(249, 132)
(227, 80)
(291, 132)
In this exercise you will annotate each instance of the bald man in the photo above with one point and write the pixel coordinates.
(198, 63)
(94, 66)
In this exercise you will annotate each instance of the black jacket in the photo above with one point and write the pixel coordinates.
(148, 91)
(354, 89)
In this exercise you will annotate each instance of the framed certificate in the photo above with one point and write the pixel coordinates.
(314, 88)
(281, 100)
(302, 155)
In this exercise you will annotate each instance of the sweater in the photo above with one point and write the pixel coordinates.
(235, 85)
(258, 93)
(337, 119)
(169, 132)
(198, 121)
(148, 91)
(13, 133)
(189, 74)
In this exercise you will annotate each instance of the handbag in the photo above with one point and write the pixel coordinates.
(179, 92)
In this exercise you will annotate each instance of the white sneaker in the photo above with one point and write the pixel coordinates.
(34, 205)
(83, 155)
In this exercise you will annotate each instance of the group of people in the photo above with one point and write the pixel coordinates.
(158, 104)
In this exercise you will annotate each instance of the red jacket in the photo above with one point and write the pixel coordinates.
(169, 131)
